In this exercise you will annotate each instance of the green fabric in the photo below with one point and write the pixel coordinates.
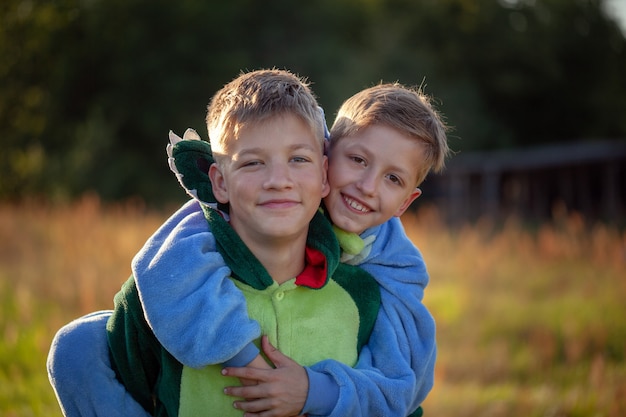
(138, 358)
(349, 242)
(309, 332)
(309, 325)
(193, 159)
(304, 328)
(366, 294)
(247, 268)
(302, 323)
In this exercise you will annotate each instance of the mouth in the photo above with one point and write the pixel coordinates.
(279, 203)
(355, 205)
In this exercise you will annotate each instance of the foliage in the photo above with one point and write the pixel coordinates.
(90, 88)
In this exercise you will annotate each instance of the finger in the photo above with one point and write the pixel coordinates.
(246, 373)
(267, 345)
(275, 355)
(262, 405)
(261, 408)
(247, 391)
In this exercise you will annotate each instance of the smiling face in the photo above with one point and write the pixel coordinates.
(274, 178)
(372, 176)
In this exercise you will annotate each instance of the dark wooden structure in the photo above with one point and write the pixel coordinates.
(586, 177)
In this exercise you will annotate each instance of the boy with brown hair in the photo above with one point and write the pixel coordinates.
(384, 142)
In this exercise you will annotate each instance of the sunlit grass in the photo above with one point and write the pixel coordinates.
(56, 263)
(24, 388)
(530, 322)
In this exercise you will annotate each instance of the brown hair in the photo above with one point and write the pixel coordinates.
(406, 109)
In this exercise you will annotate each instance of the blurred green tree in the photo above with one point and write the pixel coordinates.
(89, 89)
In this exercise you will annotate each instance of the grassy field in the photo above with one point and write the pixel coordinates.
(530, 323)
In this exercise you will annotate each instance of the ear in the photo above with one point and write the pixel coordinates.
(325, 184)
(407, 202)
(218, 183)
(326, 147)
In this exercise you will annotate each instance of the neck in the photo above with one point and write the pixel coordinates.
(283, 260)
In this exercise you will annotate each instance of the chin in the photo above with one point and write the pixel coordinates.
(348, 226)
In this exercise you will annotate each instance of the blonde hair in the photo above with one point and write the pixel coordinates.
(255, 97)
(406, 109)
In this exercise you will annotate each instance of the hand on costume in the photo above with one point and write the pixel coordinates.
(257, 363)
(279, 392)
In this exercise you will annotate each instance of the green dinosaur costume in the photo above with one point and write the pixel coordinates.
(327, 312)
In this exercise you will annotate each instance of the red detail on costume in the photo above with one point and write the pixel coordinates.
(315, 269)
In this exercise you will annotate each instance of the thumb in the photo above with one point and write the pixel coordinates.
(273, 354)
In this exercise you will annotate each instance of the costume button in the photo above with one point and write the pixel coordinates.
(280, 295)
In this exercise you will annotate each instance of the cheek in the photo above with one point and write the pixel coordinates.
(393, 201)
(338, 175)
(332, 180)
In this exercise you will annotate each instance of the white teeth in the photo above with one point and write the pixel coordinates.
(355, 205)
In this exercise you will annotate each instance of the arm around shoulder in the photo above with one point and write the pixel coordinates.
(187, 294)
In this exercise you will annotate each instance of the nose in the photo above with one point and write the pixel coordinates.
(278, 176)
(368, 183)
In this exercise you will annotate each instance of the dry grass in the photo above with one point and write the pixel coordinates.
(57, 263)
(530, 323)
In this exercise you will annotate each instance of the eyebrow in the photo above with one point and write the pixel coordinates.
(294, 147)
(306, 146)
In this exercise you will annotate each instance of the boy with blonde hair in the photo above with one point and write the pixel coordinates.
(395, 368)
(267, 141)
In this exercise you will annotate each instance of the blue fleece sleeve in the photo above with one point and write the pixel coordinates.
(194, 310)
(395, 262)
(247, 354)
(326, 393)
(395, 370)
(81, 374)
